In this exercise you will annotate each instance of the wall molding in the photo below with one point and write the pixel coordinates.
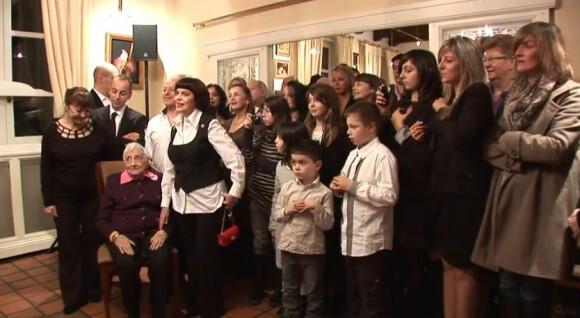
(419, 13)
(38, 241)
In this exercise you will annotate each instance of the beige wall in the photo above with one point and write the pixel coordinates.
(566, 17)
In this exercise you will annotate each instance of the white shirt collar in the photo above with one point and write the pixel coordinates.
(119, 112)
(193, 118)
(313, 183)
(102, 97)
(364, 151)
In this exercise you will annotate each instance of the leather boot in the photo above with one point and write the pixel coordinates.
(260, 264)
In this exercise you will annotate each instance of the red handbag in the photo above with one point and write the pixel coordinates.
(227, 236)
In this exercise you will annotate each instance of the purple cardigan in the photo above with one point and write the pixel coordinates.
(130, 208)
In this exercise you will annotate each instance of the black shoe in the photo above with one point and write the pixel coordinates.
(276, 299)
(280, 312)
(257, 296)
(95, 298)
(69, 309)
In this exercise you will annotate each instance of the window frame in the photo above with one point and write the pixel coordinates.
(8, 135)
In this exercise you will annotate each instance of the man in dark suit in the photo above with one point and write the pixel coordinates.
(125, 123)
(102, 77)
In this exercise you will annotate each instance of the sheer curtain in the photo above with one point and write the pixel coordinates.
(309, 59)
(342, 51)
(66, 35)
(373, 59)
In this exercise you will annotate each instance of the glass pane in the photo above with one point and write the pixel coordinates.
(34, 219)
(247, 68)
(325, 58)
(27, 16)
(32, 115)
(29, 63)
(7, 224)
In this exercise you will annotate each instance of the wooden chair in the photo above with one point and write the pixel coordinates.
(103, 170)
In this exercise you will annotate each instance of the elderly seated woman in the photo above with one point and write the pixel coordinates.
(129, 220)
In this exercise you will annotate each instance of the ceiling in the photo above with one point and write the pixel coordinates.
(396, 36)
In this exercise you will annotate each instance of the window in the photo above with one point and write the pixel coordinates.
(25, 43)
(324, 72)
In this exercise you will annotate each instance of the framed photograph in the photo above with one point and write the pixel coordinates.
(119, 52)
(282, 69)
(282, 49)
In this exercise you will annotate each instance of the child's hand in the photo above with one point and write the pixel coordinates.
(309, 205)
(294, 207)
(340, 183)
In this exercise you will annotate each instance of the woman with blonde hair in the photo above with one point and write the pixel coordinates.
(459, 174)
(535, 178)
(342, 80)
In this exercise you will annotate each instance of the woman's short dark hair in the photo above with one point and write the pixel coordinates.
(430, 86)
(199, 90)
(279, 108)
(291, 133)
(300, 98)
(78, 96)
(250, 107)
(222, 108)
(367, 111)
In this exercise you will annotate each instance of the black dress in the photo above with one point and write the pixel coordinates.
(460, 176)
(67, 173)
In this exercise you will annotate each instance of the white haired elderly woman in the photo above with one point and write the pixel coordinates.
(129, 220)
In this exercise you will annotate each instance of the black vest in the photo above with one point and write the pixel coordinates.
(197, 164)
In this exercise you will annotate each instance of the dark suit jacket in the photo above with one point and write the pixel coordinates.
(458, 165)
(97, 103)
(132, 121)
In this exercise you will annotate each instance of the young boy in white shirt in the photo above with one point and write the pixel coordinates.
(369, 184)
(304, 206)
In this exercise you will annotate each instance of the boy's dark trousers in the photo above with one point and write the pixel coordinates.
(303, 269)
(366, 285)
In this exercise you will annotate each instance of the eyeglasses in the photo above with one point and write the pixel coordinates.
(495, 58)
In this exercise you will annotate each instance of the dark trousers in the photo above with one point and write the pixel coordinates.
(78, 242)
(199, 234)
(533, 293)
(306, 273)
(128, 268)
(366, 285)
(334, 274)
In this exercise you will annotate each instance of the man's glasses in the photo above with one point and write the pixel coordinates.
(495, 58)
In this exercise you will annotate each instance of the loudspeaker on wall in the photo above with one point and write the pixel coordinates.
(144, 42)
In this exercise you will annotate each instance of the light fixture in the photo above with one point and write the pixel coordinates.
(410, 35)
(418, 43)
(121, 13)
(313, 51)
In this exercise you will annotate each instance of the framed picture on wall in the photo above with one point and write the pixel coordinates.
(282, 49)
(282, 69)
(119, 51)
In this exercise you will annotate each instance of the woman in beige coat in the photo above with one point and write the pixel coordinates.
(532, 193)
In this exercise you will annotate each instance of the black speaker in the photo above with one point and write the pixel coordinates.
(144, 42)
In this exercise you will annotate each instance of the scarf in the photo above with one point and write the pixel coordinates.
(524, 102)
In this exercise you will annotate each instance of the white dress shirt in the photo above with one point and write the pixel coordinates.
(157, 137)
(120, 113)
(207, 199)
(367, 224)
(104, 99)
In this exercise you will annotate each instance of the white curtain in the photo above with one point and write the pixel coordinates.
(373, 59)
(309, 59)
(389, 54)
(66, 35)
(342, 51)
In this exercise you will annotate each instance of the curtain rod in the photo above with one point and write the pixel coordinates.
(385, 47)
(243, 13)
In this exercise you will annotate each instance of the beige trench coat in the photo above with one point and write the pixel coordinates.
(532, 192)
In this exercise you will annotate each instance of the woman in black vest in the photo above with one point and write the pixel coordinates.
(194, 185)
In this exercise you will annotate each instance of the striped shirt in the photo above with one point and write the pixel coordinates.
(367, 224)
(260, 150)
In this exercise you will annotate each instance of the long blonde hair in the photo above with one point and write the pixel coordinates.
(553, 57)
(470, 66)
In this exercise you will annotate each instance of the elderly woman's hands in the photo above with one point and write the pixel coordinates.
(125, 245)
(158, 239)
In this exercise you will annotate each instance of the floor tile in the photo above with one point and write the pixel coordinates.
(44, 256)
(9, 298)
(51, 307)
(32, 291)
(21, 284)
(15, 307)
(244, 312)
(29, 313)
(6, 265)
(76, 314)
(39, 271)
(43, 298)
(27, 263)
(92, 309)
(14, 277)
(52, 285)
(5, 289)
(48, 277)
(9, 270)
